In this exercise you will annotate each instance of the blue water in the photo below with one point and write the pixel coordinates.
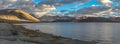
(105, 33)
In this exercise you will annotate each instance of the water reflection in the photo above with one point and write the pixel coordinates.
(106, 33)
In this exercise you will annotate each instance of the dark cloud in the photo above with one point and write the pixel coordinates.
(22, 3)
(47, 2)
(72, 1)
(65, 1)
(90, 10)
(117, 0)
(60, 2)
(63, 10)
(15, 3)
(118, 7)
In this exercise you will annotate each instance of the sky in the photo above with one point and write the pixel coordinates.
(68, 6)
(86, 4)
(61, 6)
(37, 1)
(78, 5)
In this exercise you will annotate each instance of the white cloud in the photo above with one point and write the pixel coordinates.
(12, 0)
(24, 0)
(41, 10)
(93, 5)
(107, 3)
(27, 0)
(9, 1)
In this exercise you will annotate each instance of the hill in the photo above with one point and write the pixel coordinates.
(16, 15)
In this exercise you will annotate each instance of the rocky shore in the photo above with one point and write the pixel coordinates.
(13, 34)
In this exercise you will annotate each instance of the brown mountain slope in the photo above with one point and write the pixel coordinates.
(16, 15)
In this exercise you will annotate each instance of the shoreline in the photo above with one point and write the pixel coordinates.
(18, 34)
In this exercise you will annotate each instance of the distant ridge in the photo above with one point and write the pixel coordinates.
(13, 15)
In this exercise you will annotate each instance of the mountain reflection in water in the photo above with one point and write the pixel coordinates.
(105, 33)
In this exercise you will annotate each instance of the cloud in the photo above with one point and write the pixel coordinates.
(95, 9)
(60, 2)
(13, 3)
(24, 0)
(23, 3)
(48, 2)
(10, 0)
(40, 11)
(118, 7)
(72, 1)
(28, 6)
(117, 0)
(107, 3)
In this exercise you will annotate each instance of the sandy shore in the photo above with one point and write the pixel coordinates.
(13, 34)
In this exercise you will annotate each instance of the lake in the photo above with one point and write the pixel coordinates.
(105, 33)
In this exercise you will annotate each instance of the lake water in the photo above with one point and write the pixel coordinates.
(105, 33)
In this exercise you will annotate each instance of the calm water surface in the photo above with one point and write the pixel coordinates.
(105, 33)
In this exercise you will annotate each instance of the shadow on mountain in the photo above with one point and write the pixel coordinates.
(16, 15)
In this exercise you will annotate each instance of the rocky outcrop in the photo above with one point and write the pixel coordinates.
(16, 15)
